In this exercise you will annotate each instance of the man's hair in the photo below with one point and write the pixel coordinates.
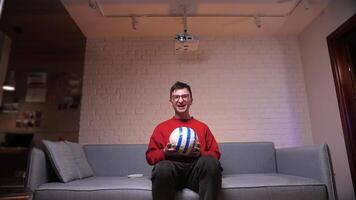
(180, 85)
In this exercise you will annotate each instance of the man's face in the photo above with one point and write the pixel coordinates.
(181, 101)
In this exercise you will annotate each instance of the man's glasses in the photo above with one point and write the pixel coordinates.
(185, 97)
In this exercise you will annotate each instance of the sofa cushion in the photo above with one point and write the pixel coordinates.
(80, 159)
(62, 160)
(265, 186)
(272, 186)
(97, 188)
(239, 186)
(104, 187)
(248, 157)
(117, 160)
(265, 180)
(101, 183)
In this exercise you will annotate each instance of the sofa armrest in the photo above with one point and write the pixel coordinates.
(37, 169)
(310, 162)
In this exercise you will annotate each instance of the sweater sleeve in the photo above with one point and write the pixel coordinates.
(211, 148)
(154, 153)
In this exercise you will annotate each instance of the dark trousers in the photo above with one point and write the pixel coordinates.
(203, 176)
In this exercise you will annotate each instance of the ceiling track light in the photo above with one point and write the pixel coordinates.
(93, 4)
(258, 21)
(306, 4)
(134, 22)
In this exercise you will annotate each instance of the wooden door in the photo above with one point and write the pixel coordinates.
(342, 49)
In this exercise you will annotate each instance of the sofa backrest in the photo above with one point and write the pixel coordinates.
(117, 159)
(248, 157)
(125, 159)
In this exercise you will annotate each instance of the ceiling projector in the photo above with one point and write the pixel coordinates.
(185, 42)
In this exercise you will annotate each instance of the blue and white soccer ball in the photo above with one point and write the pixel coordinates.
(184, 139)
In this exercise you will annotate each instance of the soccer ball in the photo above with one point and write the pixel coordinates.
(184, 139)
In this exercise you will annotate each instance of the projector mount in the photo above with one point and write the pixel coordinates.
(185, 42)
(183, 37)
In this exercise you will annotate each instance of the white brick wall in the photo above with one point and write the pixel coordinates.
(245, 89)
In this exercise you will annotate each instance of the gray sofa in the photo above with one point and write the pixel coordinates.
(251, 171)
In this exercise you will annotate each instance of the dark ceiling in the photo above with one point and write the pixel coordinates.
(37, 19)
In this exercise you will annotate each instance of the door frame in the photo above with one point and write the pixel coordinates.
(336, 51)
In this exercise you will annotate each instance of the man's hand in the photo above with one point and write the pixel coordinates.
(170, 150)
(196, 150)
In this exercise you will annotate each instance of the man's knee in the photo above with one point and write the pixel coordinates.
(210, 164)
(163, 169)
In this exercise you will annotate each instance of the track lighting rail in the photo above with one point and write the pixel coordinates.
(95, 4)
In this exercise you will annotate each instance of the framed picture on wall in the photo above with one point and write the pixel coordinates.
(10, 108)
(36, 95)
(37, 79)
(36, 87)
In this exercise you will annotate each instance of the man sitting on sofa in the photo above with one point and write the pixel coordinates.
(199, 171)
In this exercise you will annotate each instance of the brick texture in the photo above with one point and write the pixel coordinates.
(245, 89)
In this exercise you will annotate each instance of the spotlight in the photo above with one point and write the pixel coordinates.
(258, 21)
(306, 5)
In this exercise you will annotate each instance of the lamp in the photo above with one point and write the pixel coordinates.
(9, 84)
(258, 21)
(306, 4)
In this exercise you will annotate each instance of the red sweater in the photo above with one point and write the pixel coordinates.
(160, 138)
